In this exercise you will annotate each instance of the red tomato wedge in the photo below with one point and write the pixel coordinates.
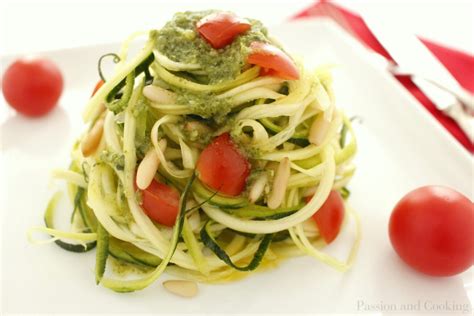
(161, 203)
(222, 166)
(99, 84)
(330, 216)
(219, 29)
(273, 61)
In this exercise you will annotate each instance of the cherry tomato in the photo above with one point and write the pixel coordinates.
(219, 29)
(99, 84)
(161, 203)
(273, 61)
(330, 216)
(432, 230)
(32, 86)
(223, 167)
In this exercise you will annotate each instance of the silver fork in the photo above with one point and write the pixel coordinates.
(462, 95)
(461, 111)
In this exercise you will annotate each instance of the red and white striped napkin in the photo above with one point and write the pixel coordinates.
(459, 64)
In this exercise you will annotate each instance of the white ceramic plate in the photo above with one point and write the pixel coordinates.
(401, 148)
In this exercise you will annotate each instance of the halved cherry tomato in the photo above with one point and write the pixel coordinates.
(220, 29)
(99, 84)
(223, 167)
(330, 216)
(32, 86)
(432, 228)
(161, 203)
(273, 61)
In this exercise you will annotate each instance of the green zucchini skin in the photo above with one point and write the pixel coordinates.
(118, 253)
(48, 221)
(298, 138)
(87, 215)
(102, 252)
(302, 142)
(345, 193)
(281, 236)
(129, 253)
(274, 129)
(218, 200)
(211, 243)
(142, 67)
(119, 105)
(260, 211)
(78, 248)
(146, 259)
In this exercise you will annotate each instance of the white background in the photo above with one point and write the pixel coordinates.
(39, 25)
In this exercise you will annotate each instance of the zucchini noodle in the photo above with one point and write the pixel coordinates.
(70, 176)
(272, 226)
(174, 107)
(123, 53)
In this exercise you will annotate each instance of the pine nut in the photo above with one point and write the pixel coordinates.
(181, 287)
(257, 188)
(159, 95)
(148, 166)
(201, 128)
(280, 182)
(318, 130)
(322, 98)
(195, 221)
(101, 108)
(91, 141)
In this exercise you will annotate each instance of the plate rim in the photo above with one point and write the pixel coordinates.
(358, 50)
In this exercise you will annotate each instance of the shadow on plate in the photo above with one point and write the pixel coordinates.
(35, 136)
(406, 291)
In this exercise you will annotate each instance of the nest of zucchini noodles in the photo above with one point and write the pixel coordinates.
(215, 238)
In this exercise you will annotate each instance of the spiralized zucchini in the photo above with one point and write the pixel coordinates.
(216, 237)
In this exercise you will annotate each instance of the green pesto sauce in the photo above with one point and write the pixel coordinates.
(252, 151)
(114, 159)
(124, 269)
(144, 121)
(180, 41)
(205, 105)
